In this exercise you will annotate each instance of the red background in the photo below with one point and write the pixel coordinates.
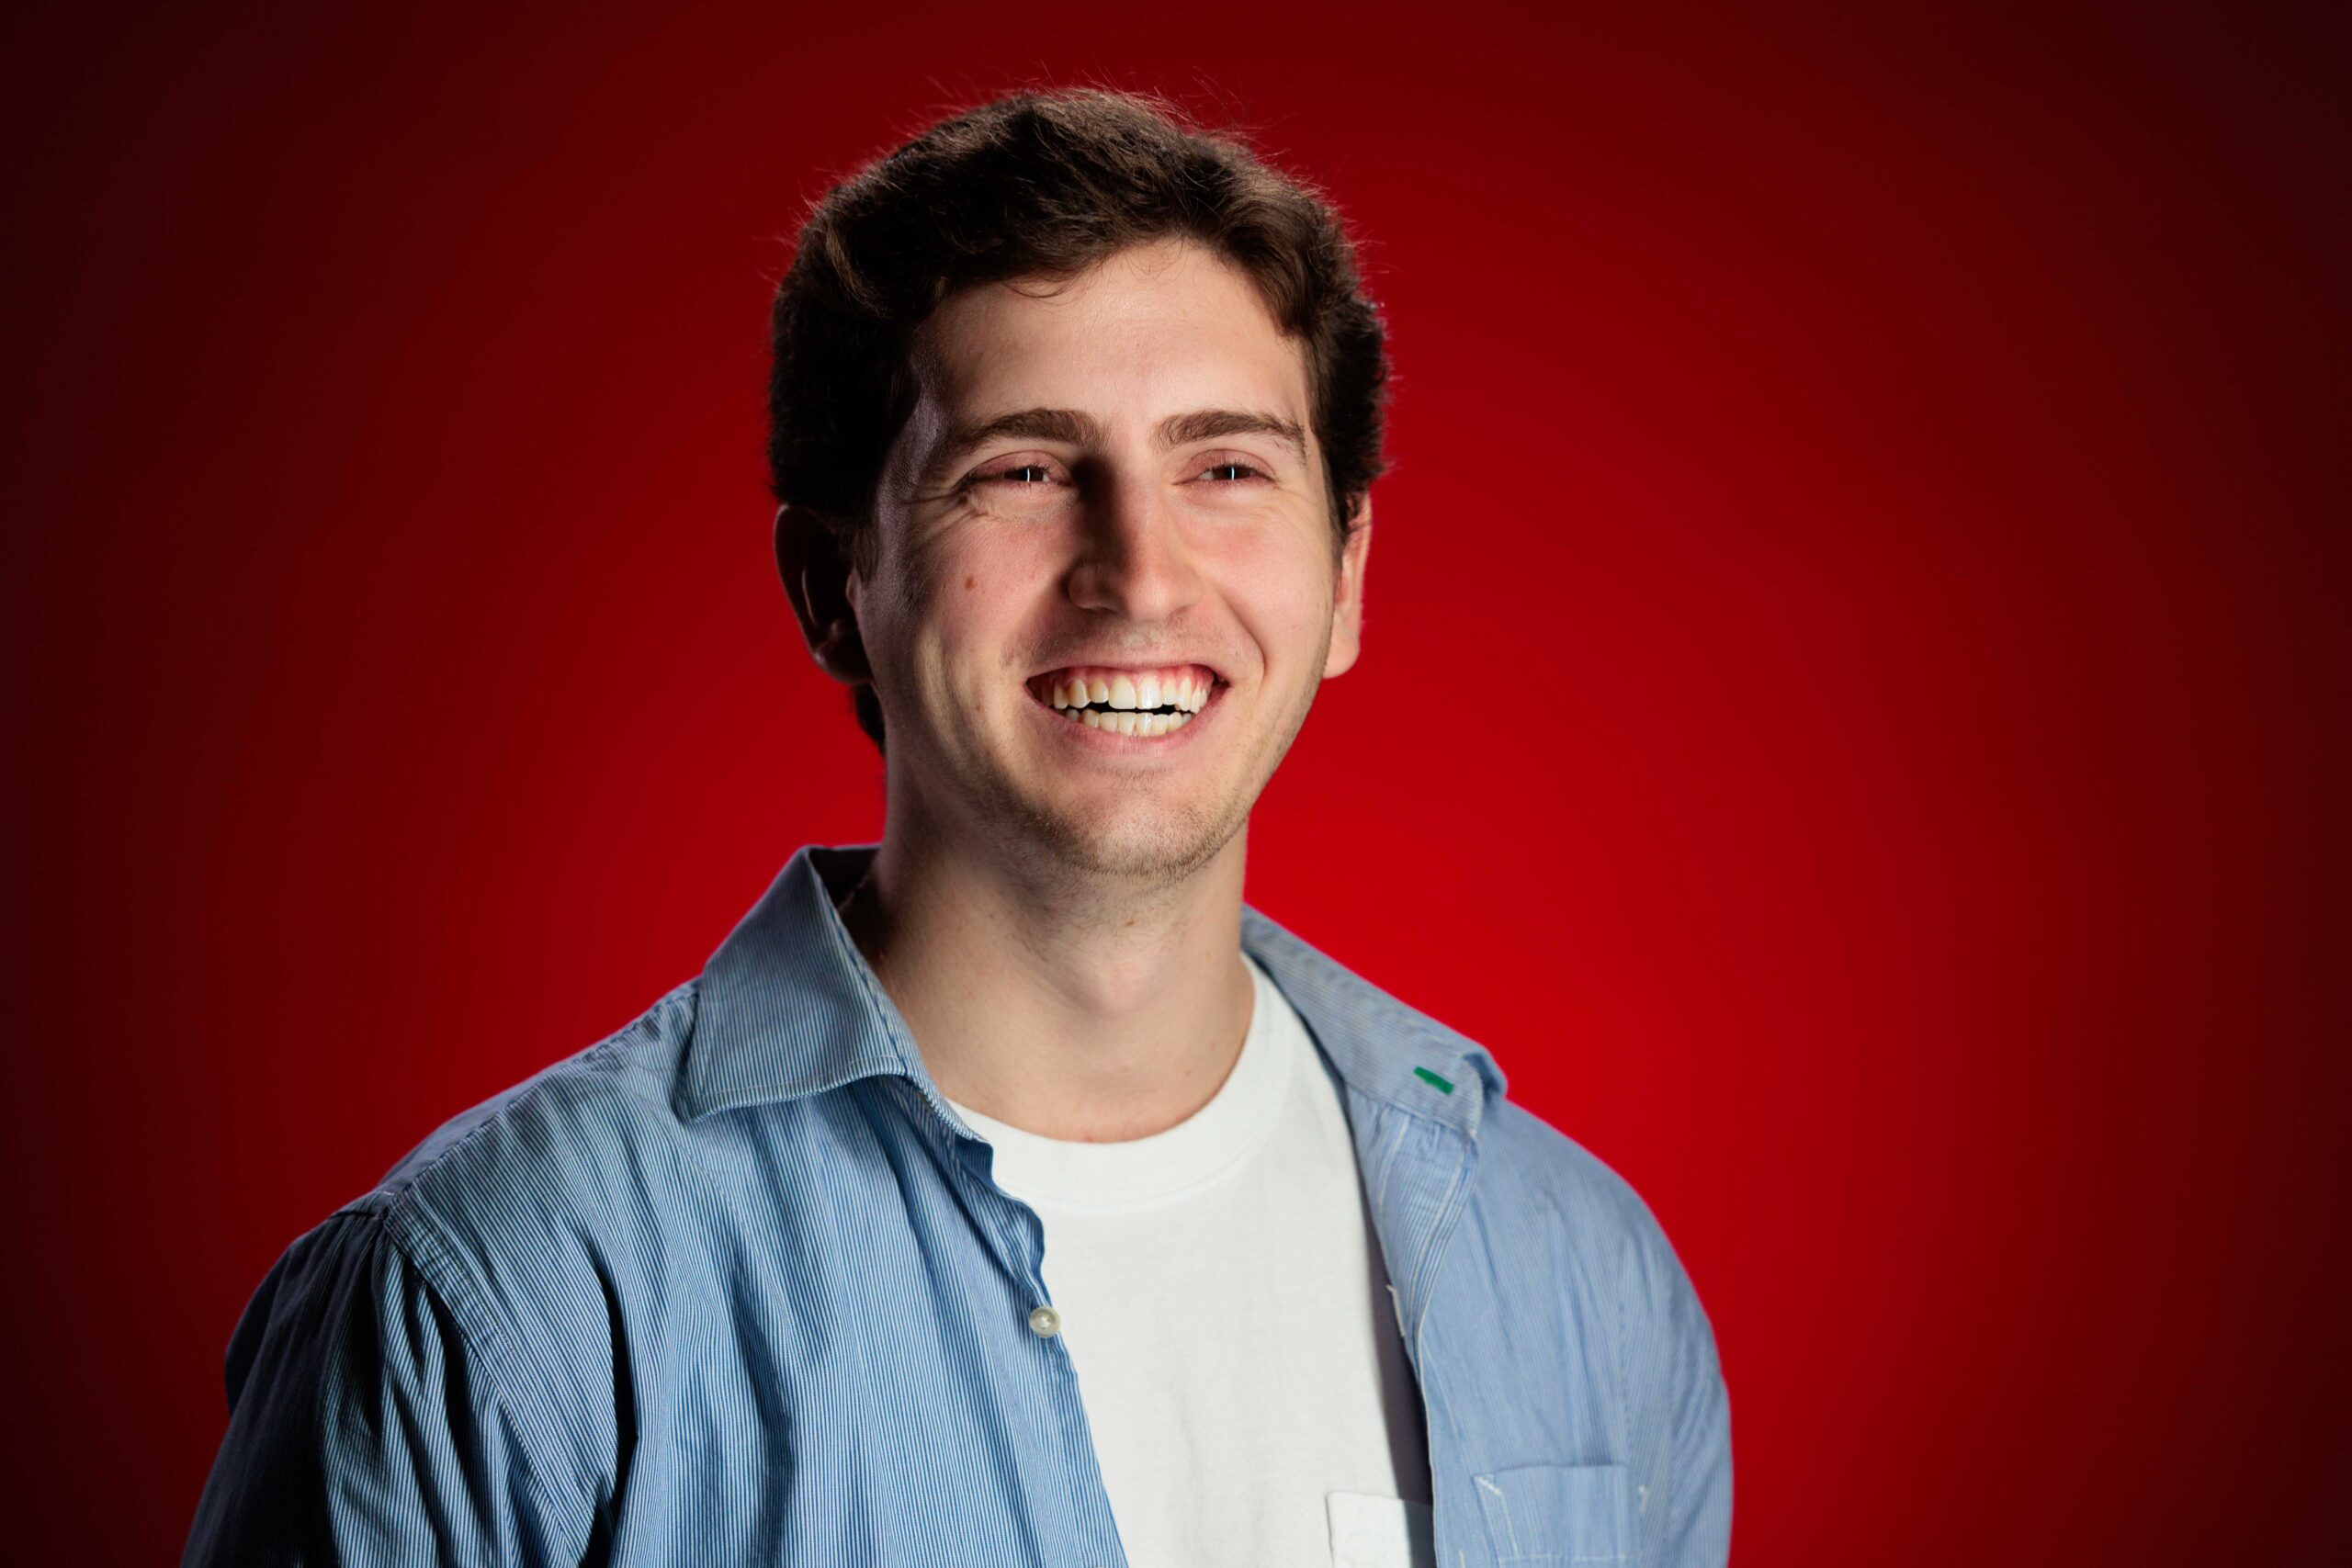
(1854, 711)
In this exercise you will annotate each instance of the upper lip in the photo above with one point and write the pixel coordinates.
(1139, 664)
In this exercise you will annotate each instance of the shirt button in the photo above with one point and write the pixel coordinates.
(1045, 1323)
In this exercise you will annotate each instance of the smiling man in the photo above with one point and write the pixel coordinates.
(1010, 1192)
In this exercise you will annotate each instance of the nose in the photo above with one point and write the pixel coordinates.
(1133, 559)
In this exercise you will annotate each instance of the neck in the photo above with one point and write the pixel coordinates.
(1080, 1007)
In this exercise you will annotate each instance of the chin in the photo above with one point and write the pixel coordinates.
(1165, 846)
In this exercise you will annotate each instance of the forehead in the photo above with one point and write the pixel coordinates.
(1152, 329)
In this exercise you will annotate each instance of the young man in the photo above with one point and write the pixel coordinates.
(1011, 1194)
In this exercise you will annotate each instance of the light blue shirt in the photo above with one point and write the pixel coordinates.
(735, 1287)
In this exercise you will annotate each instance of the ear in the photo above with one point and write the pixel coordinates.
(1346, 598)
(822, 586)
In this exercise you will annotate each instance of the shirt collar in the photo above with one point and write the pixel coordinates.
(787, 1008)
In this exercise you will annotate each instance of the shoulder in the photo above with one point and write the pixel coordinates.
(1527, 1159)
(1381, 1045)
(548, 1162)
(539, 1217)
(536, 1129)
(473, 1295)
(582, 1162)
(617, 1085)
(1565, 1215)
(1538, 1192)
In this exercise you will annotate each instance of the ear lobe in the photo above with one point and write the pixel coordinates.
(1346, 598)
(816, 578)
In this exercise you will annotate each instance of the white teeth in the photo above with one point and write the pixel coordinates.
(1144, 724)
(1134, 698)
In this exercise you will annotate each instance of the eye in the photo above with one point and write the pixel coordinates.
(1044, 475)
(1239, 472)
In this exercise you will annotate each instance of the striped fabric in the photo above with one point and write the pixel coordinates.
(735, 1287)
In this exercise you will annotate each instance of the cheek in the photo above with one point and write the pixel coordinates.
(1281, 592)
(968, 616)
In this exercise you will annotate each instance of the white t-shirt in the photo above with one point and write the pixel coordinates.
(1223, 1299)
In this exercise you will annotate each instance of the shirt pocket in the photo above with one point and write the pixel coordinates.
(1557, 1514)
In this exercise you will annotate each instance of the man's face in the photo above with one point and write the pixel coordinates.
(1105, 587)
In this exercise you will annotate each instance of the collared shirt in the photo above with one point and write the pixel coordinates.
(734, 1286)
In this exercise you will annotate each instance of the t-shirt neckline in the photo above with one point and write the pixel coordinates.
(1068, 1176)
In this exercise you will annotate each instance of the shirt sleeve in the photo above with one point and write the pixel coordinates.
(1698, 1523)
(363, 1426)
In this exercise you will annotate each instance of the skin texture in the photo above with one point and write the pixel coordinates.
(1056, 912)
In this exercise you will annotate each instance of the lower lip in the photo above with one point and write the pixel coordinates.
(1110, 742)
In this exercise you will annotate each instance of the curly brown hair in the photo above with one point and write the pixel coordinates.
(1044, 183)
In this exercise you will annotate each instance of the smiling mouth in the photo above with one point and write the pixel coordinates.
(1143, 703)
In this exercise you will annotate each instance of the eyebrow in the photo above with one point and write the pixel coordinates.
(1076, 429)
